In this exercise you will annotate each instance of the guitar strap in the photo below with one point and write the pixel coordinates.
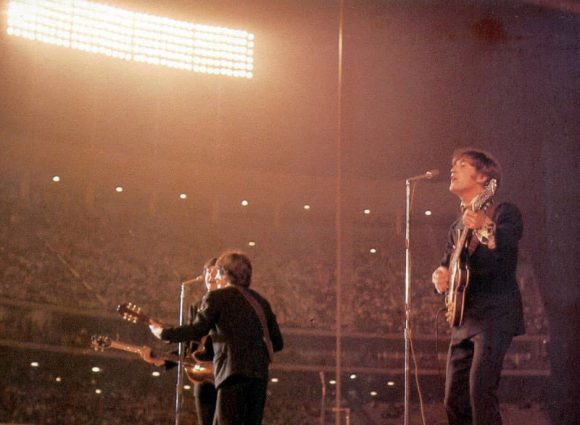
(262, 317)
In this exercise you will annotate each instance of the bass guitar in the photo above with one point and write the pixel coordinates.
(458, 267)
(197, 372)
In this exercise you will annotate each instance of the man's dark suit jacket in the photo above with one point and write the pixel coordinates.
(236, 333)
(493, 298)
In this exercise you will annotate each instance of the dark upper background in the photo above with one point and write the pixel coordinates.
(420, 79)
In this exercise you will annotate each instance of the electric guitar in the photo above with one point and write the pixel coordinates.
(134, 314)
(458, 267)
(197, 372)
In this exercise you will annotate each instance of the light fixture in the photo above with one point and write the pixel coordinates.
(373, 250)
(367, 211)
(119, 189)
(56, 179)
(132, 36)
(244, 203)
(182, 196)
(96, 369)
(428, 212)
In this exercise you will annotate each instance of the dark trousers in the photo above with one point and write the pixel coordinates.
(205, 401)
(241, 401)
(473, 373)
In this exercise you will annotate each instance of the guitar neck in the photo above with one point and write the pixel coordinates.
(139, 350)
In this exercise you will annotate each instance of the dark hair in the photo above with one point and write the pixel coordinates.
(237, 266)
(484, 162)
(210, 263)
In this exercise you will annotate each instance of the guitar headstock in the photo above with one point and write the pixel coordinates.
(484, 197)
(132, 313)
(100, 342)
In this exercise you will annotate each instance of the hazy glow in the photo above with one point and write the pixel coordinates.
(58, 379)
(307, 207)
(132, 36)
(373, 251)
(119, 189)
(34, 364)
(155, 373)
(56, 179)
(353, 376)
(373, 393)
(332, 382)
(367, 211)
(244, 203)
(187, 387)
(183, 196)
(252, 243)
(275, 380)
(391, 383)
(96, 369)
(97, 391)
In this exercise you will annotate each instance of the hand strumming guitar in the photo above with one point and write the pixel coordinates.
(440, 279)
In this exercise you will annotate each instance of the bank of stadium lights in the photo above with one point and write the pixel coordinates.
(132, 36)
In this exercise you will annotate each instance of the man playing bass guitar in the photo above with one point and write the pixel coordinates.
(488, 313)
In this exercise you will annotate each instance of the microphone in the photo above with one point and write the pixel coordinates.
(427, 175)
(197, 279)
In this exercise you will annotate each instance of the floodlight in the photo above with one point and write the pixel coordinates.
(132, 36)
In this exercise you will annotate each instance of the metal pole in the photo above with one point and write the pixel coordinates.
(407, 334)
(339, 218)
(180, 374)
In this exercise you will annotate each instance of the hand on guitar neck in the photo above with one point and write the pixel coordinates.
(133, 313)
(147, 355)
(156, 328)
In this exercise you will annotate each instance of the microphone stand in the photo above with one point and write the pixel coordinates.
(181, 350)
(407, 334)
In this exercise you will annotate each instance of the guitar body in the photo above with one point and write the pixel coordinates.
(200, 372)
(455, 300)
